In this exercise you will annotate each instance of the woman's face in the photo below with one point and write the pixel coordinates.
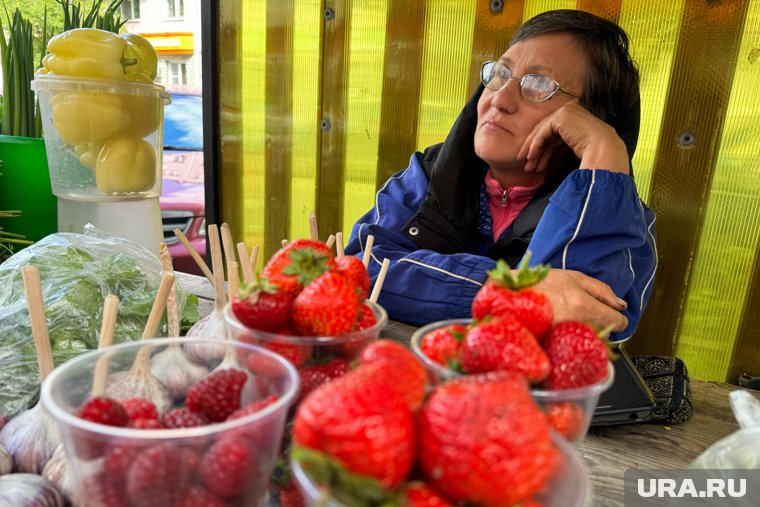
(505, 118)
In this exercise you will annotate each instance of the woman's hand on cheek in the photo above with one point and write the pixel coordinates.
(575, 296)
(593, 142)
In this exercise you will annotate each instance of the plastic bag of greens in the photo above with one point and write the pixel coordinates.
(77, 271)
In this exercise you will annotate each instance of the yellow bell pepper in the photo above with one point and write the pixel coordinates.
(125, 165)
(144, 111)
(88, 153)
(82, 117)
(141, 50)
(87, 52)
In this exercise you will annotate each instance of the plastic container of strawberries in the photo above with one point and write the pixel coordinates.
(581, 401)
(568, 486)
(305, 350)
(167, 464)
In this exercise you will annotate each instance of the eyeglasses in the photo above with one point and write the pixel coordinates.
(533, 87)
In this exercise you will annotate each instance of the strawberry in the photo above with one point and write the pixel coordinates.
(419, 494)
(484, 441)
(444, 345)
(408, 373)
(160, 475)
(578, 356)
(366, 317)
(353, 270)
(183, 418)
(295, 265)
(228, 465)
(566, 417)
(217, 395)
(104, 410)
(504, 344)
(296, 353)
(290, 496)
(198, 497)
(262, 305)
(507, 293)
(315, 375)
(362, 420)
(326, 307)
(139, 408)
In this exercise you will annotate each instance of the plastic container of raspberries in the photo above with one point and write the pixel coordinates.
(214, 445)
(570, 409)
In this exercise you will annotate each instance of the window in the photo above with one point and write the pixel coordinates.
(130, 9)
(176, 73)
(176, 8)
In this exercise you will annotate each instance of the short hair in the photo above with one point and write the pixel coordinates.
(612, 79)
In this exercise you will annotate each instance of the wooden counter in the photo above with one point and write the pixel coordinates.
(607, 451)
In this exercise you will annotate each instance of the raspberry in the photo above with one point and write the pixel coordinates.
(290, 496)
(182, 418)
(145, 424)
(217, 395)
(118, 458)
(252, 408)
(228, 465)
(316, 375)
(103, 410)
(159, 476)
(198, 497)
(102, 490)
(139, 408)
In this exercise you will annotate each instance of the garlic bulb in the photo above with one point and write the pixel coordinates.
(175, 371)
(57, 472)
(30, 438)
(139, 384)
(6, 462)
(210, 327)
(29, 489)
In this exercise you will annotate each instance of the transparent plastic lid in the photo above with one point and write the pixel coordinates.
(51, 82)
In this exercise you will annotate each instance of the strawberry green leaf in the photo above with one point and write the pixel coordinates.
(523, 277)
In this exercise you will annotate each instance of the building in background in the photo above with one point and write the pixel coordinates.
(174, 29)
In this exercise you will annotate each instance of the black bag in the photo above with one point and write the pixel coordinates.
(668, 380)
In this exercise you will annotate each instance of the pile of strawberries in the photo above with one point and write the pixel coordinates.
(305, 291)
(205, 471)
(512, 331)
(373, 437)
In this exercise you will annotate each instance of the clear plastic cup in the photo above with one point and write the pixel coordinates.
(568, 486)
(307, 350)
(120, 466)
(576, 404)
(104, 138)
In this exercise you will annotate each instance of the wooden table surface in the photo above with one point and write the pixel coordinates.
(607, 451)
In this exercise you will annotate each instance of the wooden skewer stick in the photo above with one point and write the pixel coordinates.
(107, 328)
(195, 255)
(217, 266)
(284, 243)
(233, 283)
(339, 244)
(330, 241)
(33, 291)
(254, 255)
(172, 313)
(229, 248)
(368, 250)
(313, 231)
(245, 263)
(142, 363)
(380, 281)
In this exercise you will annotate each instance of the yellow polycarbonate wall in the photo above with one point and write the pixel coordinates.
(321, 101)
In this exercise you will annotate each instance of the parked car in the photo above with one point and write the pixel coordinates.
(183, 196)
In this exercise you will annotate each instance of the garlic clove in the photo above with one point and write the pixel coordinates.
(6, 461)
(57, 472)
(175, 371)
(210, 327)
(29, 489)
(126, 384)
(30, 438)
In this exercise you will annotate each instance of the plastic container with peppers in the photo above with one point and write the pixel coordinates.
(102, 115)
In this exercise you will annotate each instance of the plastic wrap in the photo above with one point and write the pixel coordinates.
(77, 271)
(741, 449)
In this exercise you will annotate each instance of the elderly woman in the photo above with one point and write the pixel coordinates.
(539, 161)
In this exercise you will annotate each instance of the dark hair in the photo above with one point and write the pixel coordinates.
(612, 79)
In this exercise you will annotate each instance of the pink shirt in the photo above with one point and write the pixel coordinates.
(505, 205)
